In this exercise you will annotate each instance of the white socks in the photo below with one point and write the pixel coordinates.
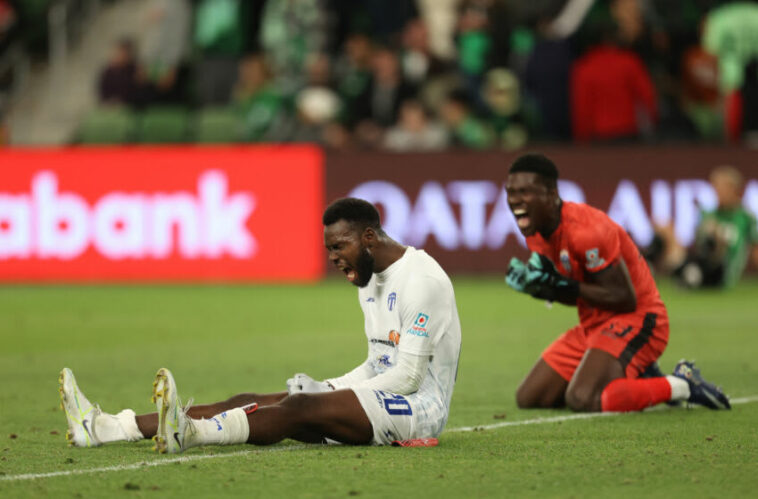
(229, 427)
(680, 389)
(117, 427)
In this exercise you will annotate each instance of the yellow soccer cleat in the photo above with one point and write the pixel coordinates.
(173, 422)
(80, 413)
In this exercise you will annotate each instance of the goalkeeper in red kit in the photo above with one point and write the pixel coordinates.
(581, 257)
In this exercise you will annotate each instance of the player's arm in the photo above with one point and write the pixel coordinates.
(610, 289)
(302, 383)
(404, 378)
(361, 373)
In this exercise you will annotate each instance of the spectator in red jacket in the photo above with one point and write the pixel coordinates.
(612, 95)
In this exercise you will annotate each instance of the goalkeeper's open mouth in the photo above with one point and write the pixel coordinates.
(522, 218)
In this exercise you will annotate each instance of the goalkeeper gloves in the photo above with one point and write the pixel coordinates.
(516, 276)
(539, 278)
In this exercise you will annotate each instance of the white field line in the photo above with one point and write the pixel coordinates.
(187, 459)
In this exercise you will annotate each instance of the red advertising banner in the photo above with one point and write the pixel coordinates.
(161, 213)
(453, 205)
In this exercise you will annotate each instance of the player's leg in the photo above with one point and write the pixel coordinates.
(597, 369)
(148, 423)
(600, 384)
(545, 385)
(312, 417)
(90, 426)
(610, 377)
(542, 388)
(619, 351)
(336, 415)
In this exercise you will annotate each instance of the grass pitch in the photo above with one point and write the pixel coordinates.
(219, 341)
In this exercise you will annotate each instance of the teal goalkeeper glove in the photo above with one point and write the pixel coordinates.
(542, 280)
(516, 276)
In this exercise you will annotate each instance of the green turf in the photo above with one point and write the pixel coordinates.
(223, 340)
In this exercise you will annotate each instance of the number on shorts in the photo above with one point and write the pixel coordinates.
(396, 405)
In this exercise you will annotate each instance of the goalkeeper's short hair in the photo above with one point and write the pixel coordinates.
(539, 164)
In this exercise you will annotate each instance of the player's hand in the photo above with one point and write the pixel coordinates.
(542, 280)
(302, 383)
(516, 276)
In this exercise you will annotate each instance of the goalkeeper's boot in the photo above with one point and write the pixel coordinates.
(701, 391)
(174, 425)
(80, 413)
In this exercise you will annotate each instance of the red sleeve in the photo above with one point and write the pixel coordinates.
(596, 245)
(581, 104)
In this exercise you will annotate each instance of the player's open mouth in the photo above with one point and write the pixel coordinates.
(522, 218)
(351, 274)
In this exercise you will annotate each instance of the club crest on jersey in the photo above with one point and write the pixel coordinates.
(593, 258)
(565, 260)
(391, 300)
(419, 326)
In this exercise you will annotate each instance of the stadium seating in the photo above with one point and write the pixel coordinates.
(217, 125)
(108, 125)
(162, 125)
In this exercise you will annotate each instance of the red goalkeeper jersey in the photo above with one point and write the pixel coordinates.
(588, 241)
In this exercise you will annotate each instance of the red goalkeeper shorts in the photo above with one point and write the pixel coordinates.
(635, 340)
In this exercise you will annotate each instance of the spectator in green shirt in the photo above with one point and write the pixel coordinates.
(258, 100)
(725, 237)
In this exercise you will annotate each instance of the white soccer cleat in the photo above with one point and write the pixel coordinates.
(173, 423)
(80, 413)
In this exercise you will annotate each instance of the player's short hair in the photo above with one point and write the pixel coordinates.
(356, 211)
(539, 164)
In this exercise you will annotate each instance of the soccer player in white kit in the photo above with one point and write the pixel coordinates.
(401, 392)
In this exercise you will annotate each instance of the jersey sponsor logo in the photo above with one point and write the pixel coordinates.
(418, 332)
(593, 258)
(391, 300)
(419, 326)
(394, 337)
(383, 342)
(421, 320)
(370, 299)
(565, 260)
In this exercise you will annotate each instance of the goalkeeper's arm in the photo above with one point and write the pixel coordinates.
(609, 289)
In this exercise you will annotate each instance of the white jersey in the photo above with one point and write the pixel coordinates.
(410, 307)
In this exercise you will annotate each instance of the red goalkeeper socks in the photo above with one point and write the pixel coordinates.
(625, 395)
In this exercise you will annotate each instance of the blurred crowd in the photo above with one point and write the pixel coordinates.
(431, 74)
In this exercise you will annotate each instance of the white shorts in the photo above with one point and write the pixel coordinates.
(402, 417)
